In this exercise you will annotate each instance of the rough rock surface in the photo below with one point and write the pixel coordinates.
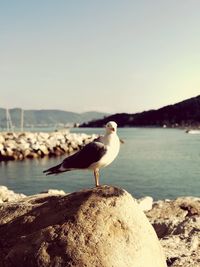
(145, 203)
(54, 192)
(100, 227)
(7, 195)
(177, 223)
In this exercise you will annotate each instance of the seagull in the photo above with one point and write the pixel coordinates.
(95, 155)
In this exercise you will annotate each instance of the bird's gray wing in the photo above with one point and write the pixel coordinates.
(98, 139)
(90, 153)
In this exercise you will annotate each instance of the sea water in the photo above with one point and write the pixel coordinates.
(162, 163)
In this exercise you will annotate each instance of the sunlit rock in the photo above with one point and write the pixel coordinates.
(177, 224)
(145, 203)
(7, 195)
(100, 227)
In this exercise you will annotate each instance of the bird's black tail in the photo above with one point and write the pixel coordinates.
(53, 170)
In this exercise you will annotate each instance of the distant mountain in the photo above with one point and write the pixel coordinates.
(47, 117)
(182, 114)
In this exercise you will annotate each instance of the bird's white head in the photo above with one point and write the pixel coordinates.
(111, 127)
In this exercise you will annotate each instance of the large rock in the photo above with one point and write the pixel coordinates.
(145, 203)
(177, 223)
(7, 195)
(100, 227)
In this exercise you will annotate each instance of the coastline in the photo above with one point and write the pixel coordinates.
(22, 145)
(176, 222)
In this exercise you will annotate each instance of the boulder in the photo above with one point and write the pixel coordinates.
(64, 147)
(51, 142)
(23, 146)
(7, 195)
(35, 146)
(43, 135)
(2, 139)
(10, 144)
(26, 153)
(9, 152)
(145, 203)
(44, 149)
(1, 147)
(177, 223)
(99, 227)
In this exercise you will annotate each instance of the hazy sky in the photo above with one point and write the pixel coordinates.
(105, 55)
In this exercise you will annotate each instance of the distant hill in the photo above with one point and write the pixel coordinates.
(182, 114)
(47, 117)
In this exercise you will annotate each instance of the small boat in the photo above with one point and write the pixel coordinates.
(194, 131)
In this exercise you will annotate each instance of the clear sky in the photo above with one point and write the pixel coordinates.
(104, 55)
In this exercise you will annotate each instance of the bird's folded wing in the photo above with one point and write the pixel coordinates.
(91, 153)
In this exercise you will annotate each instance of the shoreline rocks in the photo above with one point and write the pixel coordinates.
(100, 227)
(18, 146)
(7, 195)
(176, 222)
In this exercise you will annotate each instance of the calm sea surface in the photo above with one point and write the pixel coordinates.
(162, 163)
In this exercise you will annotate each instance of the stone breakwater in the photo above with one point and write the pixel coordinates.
(18, 146)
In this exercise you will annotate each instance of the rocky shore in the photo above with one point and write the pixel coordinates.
(101, 227)
(30, 222)
(177, 224)
(17, 146)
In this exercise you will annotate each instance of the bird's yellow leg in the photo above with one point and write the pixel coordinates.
(96, 175)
